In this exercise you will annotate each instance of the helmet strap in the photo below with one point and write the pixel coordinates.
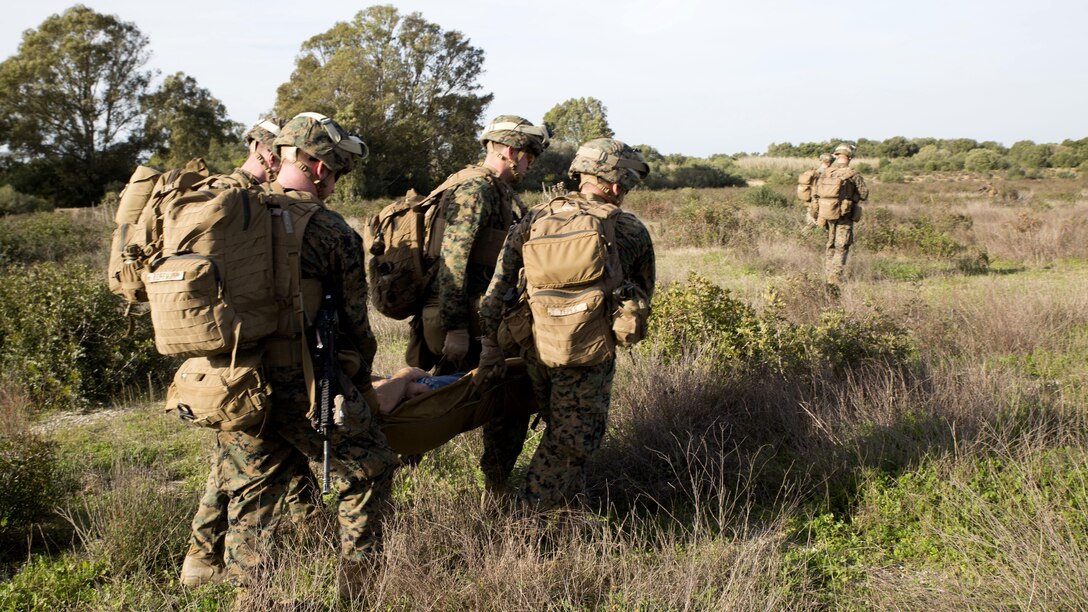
(270, 173)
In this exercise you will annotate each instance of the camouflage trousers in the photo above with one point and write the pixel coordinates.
(360, 460)
(840, 235)
(300, 500)
(574, 406)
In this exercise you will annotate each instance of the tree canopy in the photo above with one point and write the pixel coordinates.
(183, 120)
(405, 85)
(577, 120)
(70, 105)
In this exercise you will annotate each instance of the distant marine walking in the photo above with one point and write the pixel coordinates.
(839, 192)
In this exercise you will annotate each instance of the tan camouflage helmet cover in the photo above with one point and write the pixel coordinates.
(826, 157)
(516, 132)
(844, 149)
(322, 138)
(611, 160)
(265, 131)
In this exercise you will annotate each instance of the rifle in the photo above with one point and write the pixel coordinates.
(328, 380)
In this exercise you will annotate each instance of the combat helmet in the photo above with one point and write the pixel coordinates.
(611, 160)
(826, 157)
(844, 149)
(516, 132)
(265, 131)
(323, 139)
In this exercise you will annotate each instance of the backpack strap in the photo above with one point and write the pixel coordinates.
(489, 241)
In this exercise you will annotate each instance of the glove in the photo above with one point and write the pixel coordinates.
(455, 347)
(492, 361)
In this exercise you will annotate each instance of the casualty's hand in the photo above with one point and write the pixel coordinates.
(492, 360)
(456, 345)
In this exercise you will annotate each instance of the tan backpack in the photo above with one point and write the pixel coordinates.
(222, 280)
(572, 267)
(835, 193)
(138, 232)
(804, 184)
(228, 390)
(405, 242)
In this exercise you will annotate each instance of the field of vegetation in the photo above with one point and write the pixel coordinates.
(918, 442)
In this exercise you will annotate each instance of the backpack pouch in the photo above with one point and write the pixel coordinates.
(214, 392)
(564, 260)
(516, 328)
(188, 313)
(830, 210)
(570, 328)
(630, 318)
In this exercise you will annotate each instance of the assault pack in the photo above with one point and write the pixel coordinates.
(226, 292)
(138, 231)
(572, 268)
(805, 183)
(835, 193)
(405, 242)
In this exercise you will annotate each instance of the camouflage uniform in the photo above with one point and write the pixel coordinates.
(476, 205)
(229, 469)
(478, 212)
(574, 401)
(840, 232)
(839, 211)
(331, 256)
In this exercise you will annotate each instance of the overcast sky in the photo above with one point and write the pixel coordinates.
(688, 77)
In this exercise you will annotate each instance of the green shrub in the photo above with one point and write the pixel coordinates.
(47, 236)
(699, 320)
(892, 175)
(765, 195)
(983, 160)
(14, 203)
(704, 223)
(28, 479)
(922, 236)
(66, 583)
(63, 338)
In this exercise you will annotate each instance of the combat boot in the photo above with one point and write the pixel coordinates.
(197, 571)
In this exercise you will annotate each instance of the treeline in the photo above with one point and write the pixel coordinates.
(935, 154)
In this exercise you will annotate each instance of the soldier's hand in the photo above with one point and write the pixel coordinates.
(492, 361)
(456, 345)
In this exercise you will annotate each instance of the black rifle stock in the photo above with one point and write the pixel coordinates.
(328, 380)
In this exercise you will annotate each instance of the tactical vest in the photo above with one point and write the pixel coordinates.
(572, 268)
(405, 243)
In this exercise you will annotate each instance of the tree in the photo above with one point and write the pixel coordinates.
(406, 86)
(982, 160)
(183, 120)
(69, 105)
(578, 120)
(897, 146)
(1030, 155)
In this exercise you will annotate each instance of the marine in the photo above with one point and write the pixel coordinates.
(478, 212)
(839, 193)
(315, 151)
(204, 560)
(574, 400)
